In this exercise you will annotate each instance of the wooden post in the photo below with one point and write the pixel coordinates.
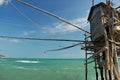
(96, 72)
(107, 66)
(92, 2)
(86, 66)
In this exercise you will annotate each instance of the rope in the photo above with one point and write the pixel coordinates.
(26, 17)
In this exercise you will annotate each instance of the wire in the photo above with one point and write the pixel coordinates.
(26, 17)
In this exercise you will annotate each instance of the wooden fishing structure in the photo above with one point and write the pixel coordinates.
(105, 36)
(102, 43)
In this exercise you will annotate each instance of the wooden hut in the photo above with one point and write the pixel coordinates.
(102, 17)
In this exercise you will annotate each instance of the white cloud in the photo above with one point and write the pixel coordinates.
(10, 40)
(15, 40)
(2, 39)
(4, 2)
(1, 2)
(65, 28)
(25, 33)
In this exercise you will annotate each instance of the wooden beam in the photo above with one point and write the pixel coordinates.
(101, 50)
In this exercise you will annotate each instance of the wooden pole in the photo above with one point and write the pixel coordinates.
(92, 2)
(108, 2)
(86, 66)
(96, 72)
(107, 66)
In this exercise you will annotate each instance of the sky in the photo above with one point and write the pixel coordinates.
(17, 19)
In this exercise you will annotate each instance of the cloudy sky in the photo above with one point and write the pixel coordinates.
(20, 20)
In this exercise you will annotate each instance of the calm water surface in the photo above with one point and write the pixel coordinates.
(44, 69)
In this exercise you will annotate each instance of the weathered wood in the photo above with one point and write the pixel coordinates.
(86, 66)
(89, 62)
(96, 24)
(96, 72)
(104, 25)
(117, 43)
(97, 53)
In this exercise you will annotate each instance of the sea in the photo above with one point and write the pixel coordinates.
(44, 69)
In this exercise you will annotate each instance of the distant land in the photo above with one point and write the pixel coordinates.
(2, 56)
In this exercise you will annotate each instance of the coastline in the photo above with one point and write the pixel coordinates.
(2, 56)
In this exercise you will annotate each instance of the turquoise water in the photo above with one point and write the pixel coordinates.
(44, 69)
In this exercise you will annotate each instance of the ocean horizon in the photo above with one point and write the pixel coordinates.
(44, 69)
